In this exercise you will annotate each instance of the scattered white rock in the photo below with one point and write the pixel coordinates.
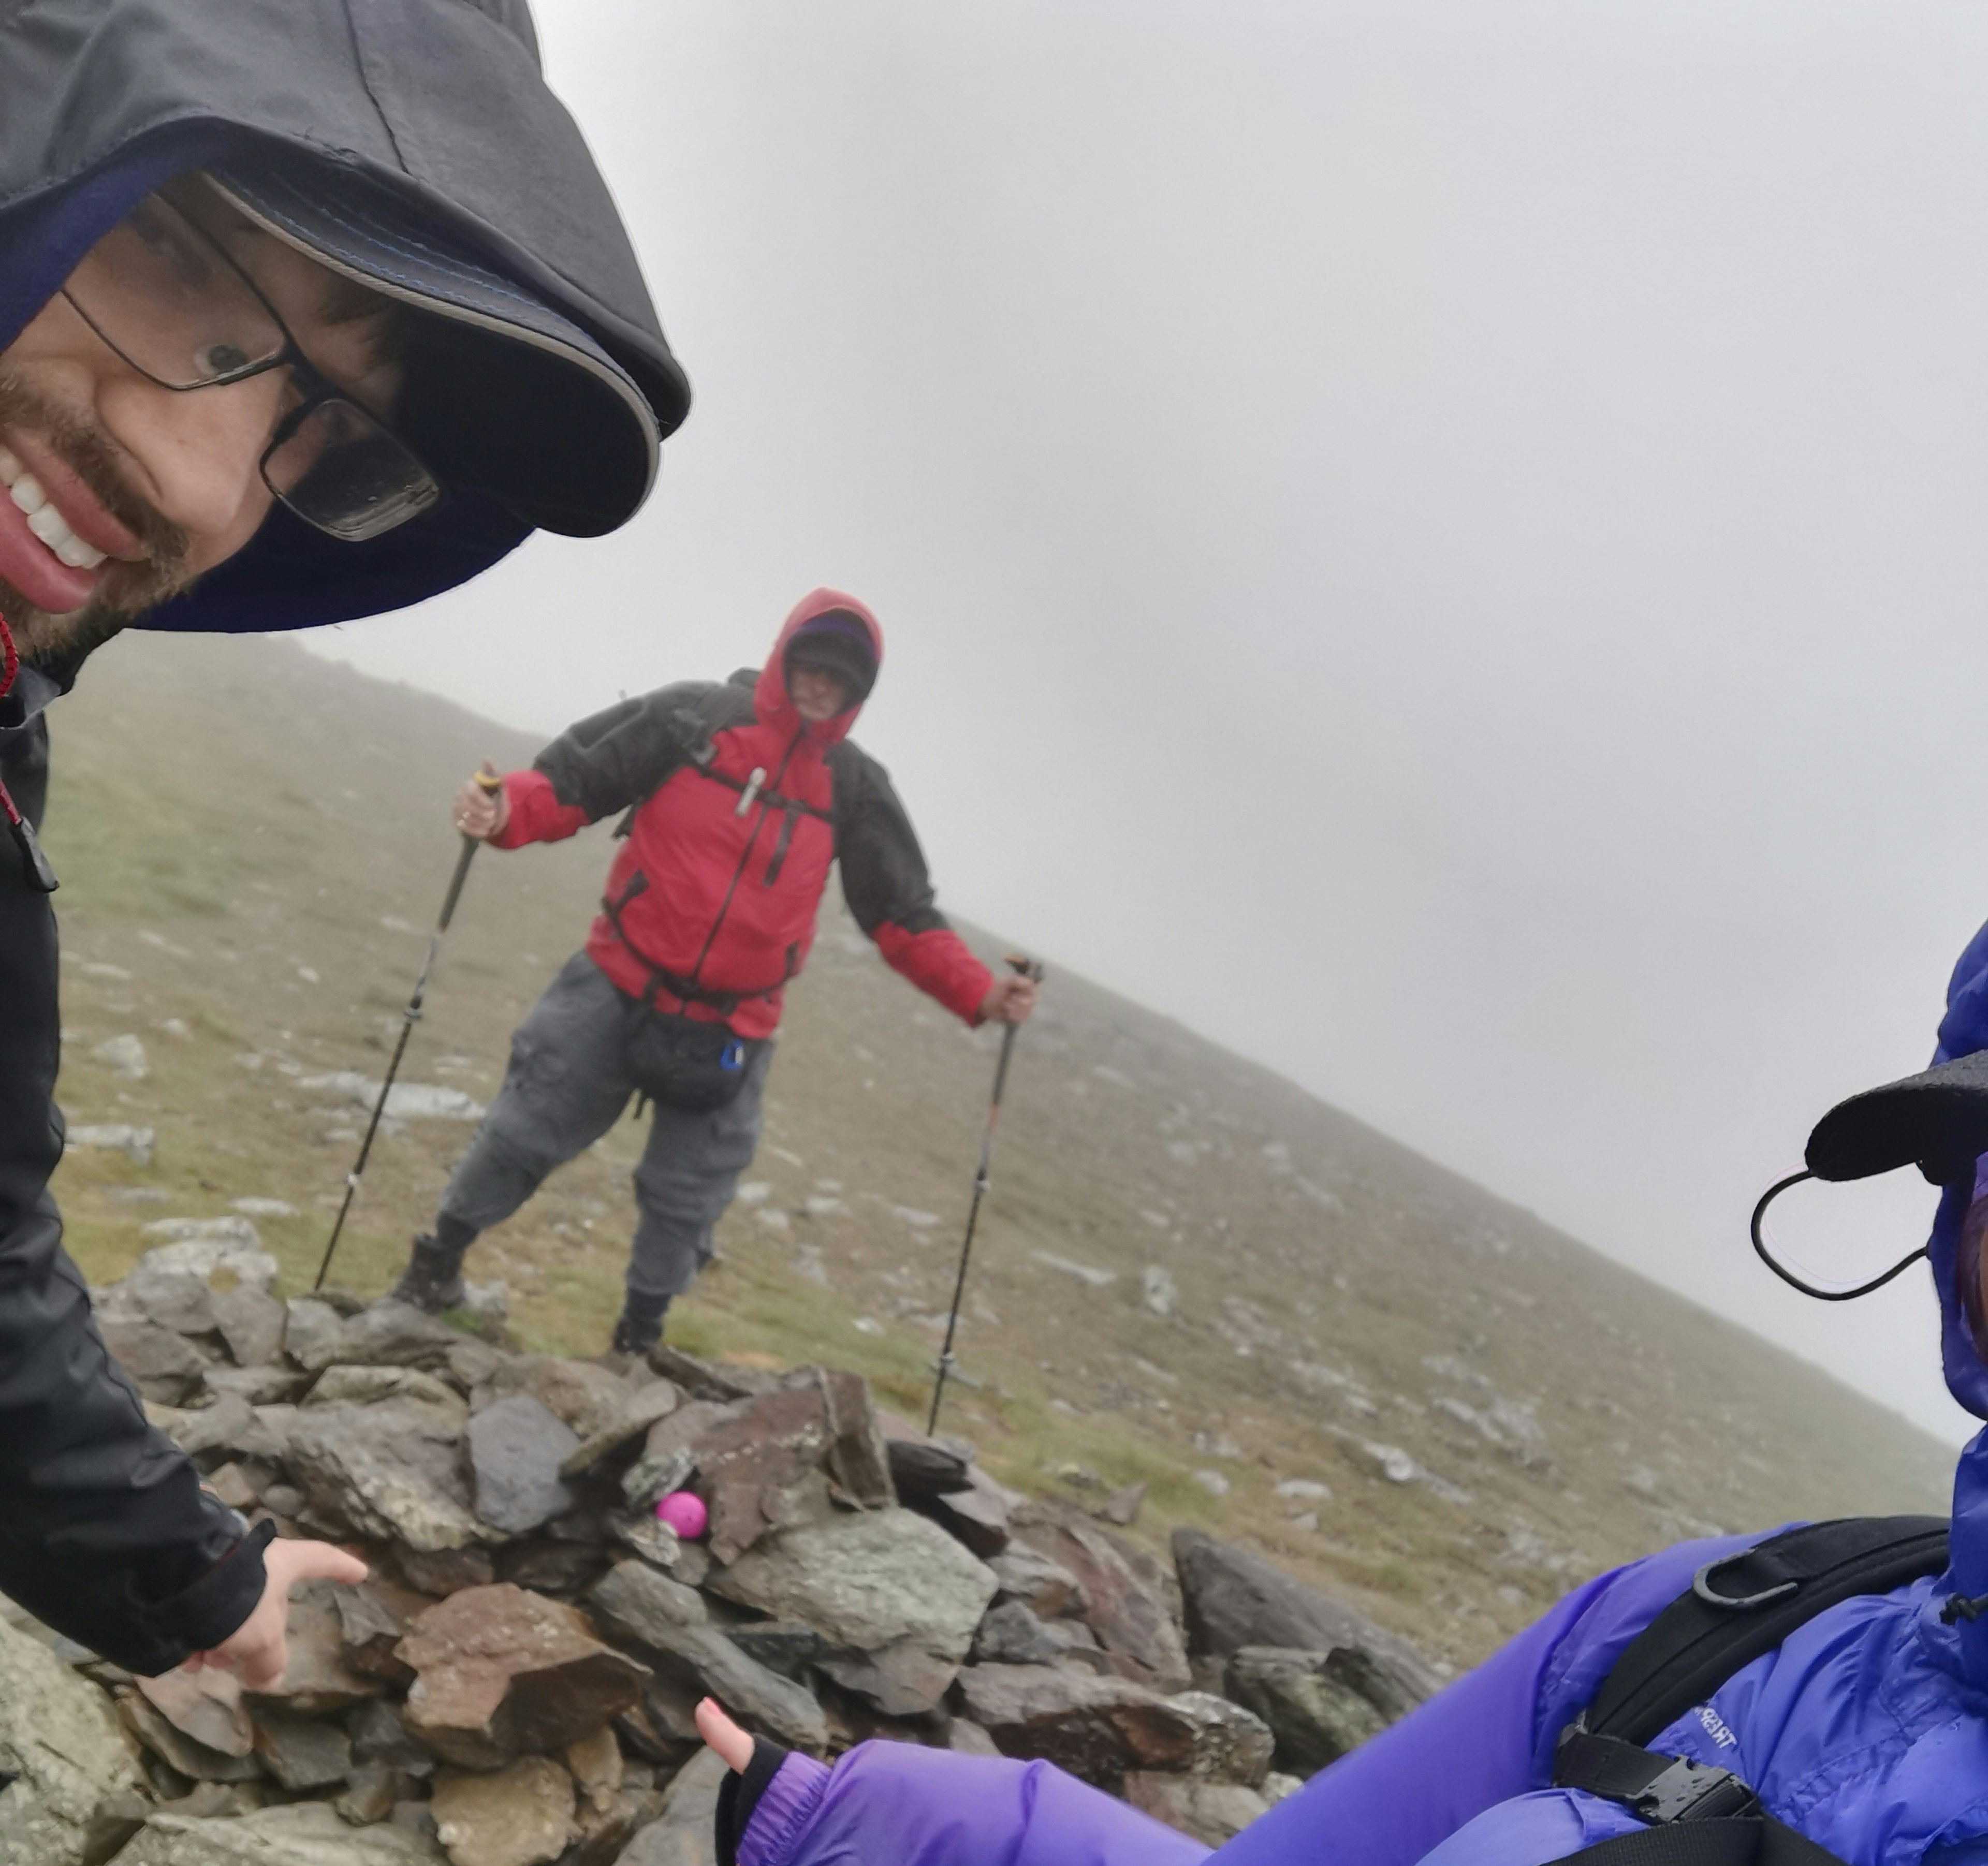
(99, 968)
(828, 1185)
(1084, 1272)
(810, 1265)
(1105, 1073)
(407, 1101)
(394, 923)
(1157, 1290)
(159, 943)
(1305, 1489)
(309, 974)
(792, 1158)
(1396, 1465)
(912, 1216)
(1213, 1482)
(136, 1143)
(1216, 1445)
(202, 1246)
(867, 1325)
(822, 1205)
(263, 1208)
(774, 1219)
(124, 1055)
(755, 1192)
(491, 1301)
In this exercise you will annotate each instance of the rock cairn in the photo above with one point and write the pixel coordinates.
(514, 1684)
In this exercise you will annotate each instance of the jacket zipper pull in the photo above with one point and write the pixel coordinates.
(41, 877)
(749, 795)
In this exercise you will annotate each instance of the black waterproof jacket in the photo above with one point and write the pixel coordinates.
(104, 1531)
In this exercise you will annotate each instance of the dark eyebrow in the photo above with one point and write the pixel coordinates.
(345, 301)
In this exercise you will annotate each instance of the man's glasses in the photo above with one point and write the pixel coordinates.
(165, 295)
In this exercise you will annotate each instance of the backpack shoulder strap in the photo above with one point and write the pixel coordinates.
(1747, 1603)
(1736, 1609)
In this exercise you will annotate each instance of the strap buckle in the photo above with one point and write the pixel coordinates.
(1695, 1791)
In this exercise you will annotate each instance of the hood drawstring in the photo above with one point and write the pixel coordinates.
(40, 876)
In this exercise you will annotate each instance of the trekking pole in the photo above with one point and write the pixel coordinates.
(491, 784)
(1028, 968)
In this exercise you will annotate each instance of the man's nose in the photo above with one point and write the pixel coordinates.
(198, 451)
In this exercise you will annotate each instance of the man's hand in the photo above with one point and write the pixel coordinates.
(734, 1745)
(1009, 999)
(480, 812)
(258, 1649)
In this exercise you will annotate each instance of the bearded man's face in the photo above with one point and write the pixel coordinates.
(119, 492)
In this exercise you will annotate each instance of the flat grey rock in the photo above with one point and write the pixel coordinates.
(60, 1733)
(516, 1447)
(669, 1625)
(685, 1833)
(1234, 1598)
(394, 1472)
(306, 1834)
(867, 1580)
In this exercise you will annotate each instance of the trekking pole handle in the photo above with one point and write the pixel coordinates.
(490, 784)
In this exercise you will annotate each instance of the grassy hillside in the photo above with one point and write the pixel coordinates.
(252, 845)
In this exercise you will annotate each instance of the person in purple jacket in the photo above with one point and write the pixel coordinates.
(1865, 1730)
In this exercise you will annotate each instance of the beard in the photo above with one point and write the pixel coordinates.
(124, 591)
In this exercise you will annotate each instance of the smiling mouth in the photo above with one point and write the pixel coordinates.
(43, 520)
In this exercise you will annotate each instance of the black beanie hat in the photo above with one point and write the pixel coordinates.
(838, 642)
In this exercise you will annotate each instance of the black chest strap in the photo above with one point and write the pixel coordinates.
(1737, 1610)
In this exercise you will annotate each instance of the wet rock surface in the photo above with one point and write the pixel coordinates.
(499, 1671)
(62, 1739)
(1232, 1598)
(1130, 1599)
(516, 1448)
(514, 1684)
(1318, 1705)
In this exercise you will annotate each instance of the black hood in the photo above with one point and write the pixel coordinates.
(432, 114)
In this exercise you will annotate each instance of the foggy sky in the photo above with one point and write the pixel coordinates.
(1442, 545)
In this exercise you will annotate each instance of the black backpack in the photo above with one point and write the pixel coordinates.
(1699, 1815)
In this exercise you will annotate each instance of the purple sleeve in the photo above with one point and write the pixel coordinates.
(1488, 1737)
(895, 1802)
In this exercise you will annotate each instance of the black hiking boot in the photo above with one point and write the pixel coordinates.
(433, 1280)
(639, 1330)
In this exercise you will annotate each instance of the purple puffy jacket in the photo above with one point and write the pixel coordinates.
(1867, 1728)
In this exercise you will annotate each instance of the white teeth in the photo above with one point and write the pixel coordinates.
(50, 527)
(43, 520)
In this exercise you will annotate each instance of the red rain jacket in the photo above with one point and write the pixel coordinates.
(738, 807)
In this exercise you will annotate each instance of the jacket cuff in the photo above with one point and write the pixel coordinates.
(940, 964)
(535, 813)
(214, 1608)
(761, 1811)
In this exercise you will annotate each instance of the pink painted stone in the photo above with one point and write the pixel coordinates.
(684, 1511)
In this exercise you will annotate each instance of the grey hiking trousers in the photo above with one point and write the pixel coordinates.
(564, 1088)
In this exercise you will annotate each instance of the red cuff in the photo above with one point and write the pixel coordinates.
(940, 964)
(536, 814)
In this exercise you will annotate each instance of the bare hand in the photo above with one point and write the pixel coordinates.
(734, 1745)
(259, 1649)
(482, 812)
(1009, 999)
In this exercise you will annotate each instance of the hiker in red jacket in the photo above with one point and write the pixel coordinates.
(739, 795)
